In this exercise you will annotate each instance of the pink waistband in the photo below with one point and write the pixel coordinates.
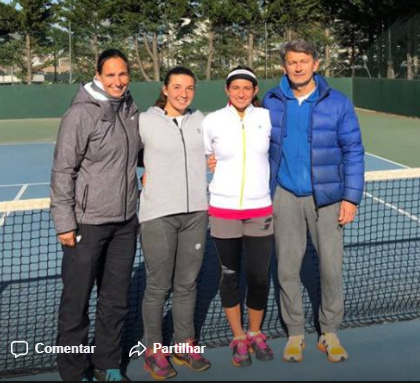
(240, 214)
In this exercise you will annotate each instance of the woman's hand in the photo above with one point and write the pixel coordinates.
(68, 239)
(211, 163)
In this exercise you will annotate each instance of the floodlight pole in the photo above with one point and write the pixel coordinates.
(70, 54)
(266, 50)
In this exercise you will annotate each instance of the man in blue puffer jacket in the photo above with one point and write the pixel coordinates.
(317, 179)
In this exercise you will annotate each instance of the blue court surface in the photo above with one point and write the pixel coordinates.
(383, 352)
(25, 170)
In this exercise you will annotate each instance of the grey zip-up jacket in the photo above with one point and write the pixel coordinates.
(94, 177)
(175, 164)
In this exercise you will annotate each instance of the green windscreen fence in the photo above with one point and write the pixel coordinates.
(52, 101)
(389, 96)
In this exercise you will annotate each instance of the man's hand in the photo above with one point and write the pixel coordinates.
(211, 163)
(68, 239)
(144, 180)
(348, 213)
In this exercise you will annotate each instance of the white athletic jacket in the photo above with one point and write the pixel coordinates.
(242, 176)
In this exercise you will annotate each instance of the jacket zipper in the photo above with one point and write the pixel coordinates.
(186, 163)
(243, 165)
(126, 165)
(84, 204)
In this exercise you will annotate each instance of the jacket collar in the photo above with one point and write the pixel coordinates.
(162, 113)
(232, 109)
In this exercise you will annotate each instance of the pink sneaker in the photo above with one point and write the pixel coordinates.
(194, 360)
(259, 345)
(158, 366)
(241, 355)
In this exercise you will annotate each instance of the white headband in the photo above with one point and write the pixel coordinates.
(241, 72)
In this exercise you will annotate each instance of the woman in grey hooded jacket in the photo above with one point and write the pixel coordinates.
(94, 198)
(173, 217)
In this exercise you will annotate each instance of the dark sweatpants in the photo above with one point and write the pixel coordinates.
(104, 254)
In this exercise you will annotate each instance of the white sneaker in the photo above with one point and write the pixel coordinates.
(293, 352)
(330, 344)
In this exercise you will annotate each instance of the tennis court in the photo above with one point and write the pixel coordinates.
(382, 269)
(27, 148)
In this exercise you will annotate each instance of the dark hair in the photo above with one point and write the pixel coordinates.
(179, 70)
(299, 46)
(256, 101)
(111, 54)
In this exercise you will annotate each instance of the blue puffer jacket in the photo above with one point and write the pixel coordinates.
(337, 153)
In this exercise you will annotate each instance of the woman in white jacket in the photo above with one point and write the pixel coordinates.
(241, 208)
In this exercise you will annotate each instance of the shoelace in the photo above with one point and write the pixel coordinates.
(260, 341)
(242, 346)
(161, 359)
(331, 340)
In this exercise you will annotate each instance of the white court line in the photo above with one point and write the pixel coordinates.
(393, 207)
(390, 161)
(21, 192)
(387, 204)
(20, 185)
(17, 198)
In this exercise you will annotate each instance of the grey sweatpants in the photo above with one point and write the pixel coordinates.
(173, 249)
(293, 217)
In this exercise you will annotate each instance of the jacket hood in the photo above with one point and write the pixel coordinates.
(84, 97)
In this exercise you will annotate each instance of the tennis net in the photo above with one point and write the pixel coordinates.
(381, 275)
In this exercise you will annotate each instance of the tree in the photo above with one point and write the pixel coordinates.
(8, 20)
(248, 16)
(33, 19)
(8, 26)
(89, 24)
(218, 15)
(149, 22)
(291, 15)
(56, 46)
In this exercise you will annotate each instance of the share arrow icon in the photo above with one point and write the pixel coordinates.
(139, 350)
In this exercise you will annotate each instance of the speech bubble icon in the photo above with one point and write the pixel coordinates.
(16, 344)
